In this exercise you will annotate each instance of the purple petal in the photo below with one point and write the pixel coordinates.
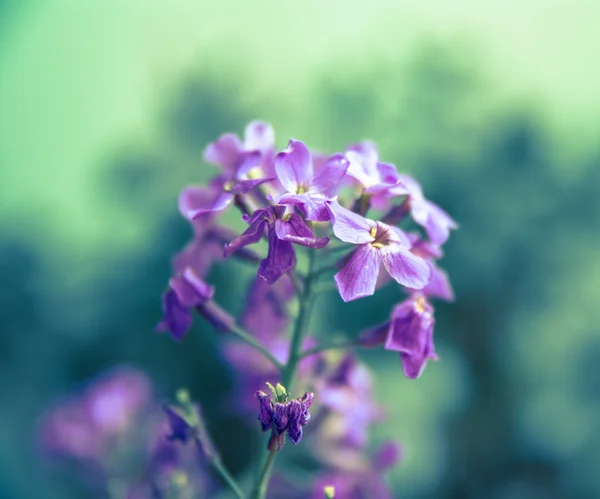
(265, 415)
(374, 336)
(388, 173)
(245, 162)
(349, 226)
(294, 167)
(296, 231)
(251, 235)
(295, 415)
(192, 198)
(439, 286)
(407, 269)
(359, 276)
(363, 159)
(410, 327)
(413, 365)
(330, 174)
(281, 417)
(190, 289)
(387, 455)
(259, 136)
(436, 221)
(180, 429)
(244, 186)
(224, 152)
(222, 201)
(280, 259)
(176, 318)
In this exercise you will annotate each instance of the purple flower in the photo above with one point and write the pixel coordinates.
(346, 393)
(378, 243)
(178, 424)
(283, 229)
(266, 313)
(284, 417)
(185, 292)
(87, 425)
(242, 169)
(411, 334)
(295, 171)
(436, 222)
(379, 180)
(439, 286)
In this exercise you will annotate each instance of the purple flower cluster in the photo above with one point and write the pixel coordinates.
(335, 216)
(296, 198)
(116, 434)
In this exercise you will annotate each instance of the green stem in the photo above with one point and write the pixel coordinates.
(289, 370)
(323, 348)
(227, 478)
(260, 488)
(248, 338)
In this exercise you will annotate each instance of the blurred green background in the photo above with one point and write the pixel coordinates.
(105, 108)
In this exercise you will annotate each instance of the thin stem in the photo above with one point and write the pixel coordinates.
(289, 370)
(205, 443)
(305, 305)
(323, 348)
(227, 478)
(260, 488)
(253, 342)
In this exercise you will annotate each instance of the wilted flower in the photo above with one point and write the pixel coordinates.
(283, 416)
(378, 243)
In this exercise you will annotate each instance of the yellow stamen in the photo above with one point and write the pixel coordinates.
(420, 304)
(254, 173)
(301, 189)
(228, 186)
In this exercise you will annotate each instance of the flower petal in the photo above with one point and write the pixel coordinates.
(280, 258)
(190, 289)
(407, 269)
(259, 136)
(251, 235)
(265, 415)
(330, 174)
(294, 166)
(176, 318)
(296, 231)
(359, 276)
(349, 226)
(295, 417)
(224, 152)
(436, 221)
(244, 186)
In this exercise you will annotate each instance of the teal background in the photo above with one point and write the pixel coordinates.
(105, 108)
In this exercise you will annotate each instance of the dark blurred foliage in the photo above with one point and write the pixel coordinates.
(493, 172)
